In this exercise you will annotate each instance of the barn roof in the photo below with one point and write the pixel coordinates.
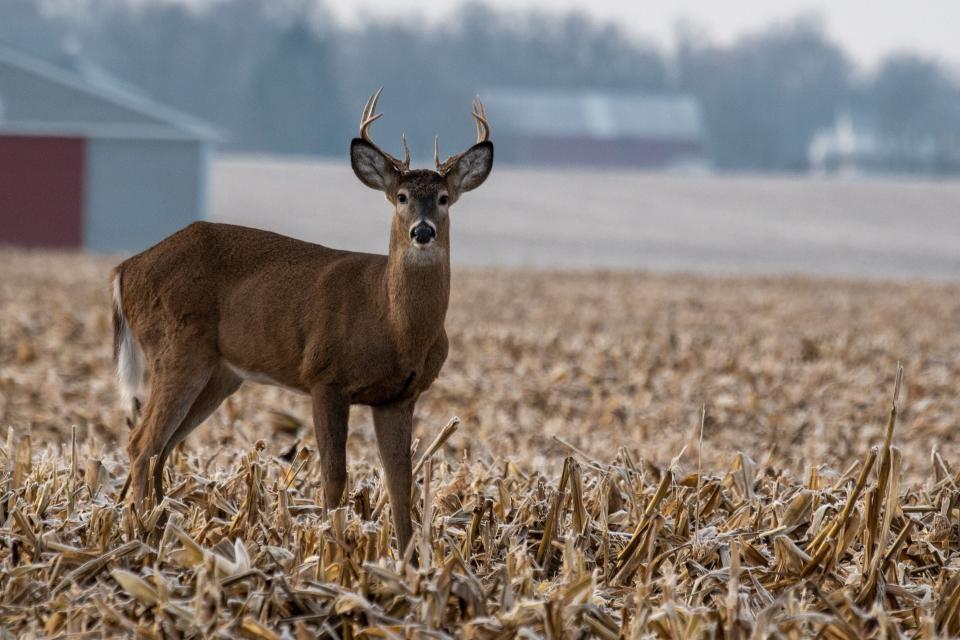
(39, 98)
(593, 114)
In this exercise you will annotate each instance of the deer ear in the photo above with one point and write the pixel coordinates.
(373, 169)
(472, 168)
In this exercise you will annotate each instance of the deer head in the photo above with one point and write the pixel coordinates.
(421, 197)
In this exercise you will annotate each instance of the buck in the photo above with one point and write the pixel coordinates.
(215, 305)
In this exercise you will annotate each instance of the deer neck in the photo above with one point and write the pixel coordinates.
(417, 291)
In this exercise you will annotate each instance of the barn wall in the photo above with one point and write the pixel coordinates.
(140, 191)
(41, 191)
(624, 152)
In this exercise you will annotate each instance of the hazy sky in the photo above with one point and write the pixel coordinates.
(867, 28)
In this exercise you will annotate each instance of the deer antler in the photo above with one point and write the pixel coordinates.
(480, 115)
(367, 118)
(483, 134)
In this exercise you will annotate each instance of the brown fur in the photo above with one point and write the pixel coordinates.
(215, 301)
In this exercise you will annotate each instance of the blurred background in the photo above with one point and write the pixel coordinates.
(800, 136)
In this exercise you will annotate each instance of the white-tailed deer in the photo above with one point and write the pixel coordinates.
(215, 304)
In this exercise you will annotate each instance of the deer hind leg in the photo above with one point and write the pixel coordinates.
(177, 381)
(220, 386)
(394, 426)
(331, 413)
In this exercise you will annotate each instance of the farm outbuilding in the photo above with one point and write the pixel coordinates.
(87, 163)
(655, 131)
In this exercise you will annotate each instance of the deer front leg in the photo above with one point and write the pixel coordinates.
(331, 412)
(394, 425)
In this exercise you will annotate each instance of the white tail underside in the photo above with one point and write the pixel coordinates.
(131, 365)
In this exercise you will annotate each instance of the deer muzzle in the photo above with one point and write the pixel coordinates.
(423, 233)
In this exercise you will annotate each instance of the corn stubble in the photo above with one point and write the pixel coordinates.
(590, 527)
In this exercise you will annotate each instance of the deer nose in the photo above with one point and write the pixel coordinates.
(423, 233)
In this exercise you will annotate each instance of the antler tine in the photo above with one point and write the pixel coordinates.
(406, 151)
(483, 134)
(480, 115)
(367, 118)
(366, 107)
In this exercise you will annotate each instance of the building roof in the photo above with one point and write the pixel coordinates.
(39, 98)
(592, 114)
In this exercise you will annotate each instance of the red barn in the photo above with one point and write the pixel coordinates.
(85, 163)
(655, 131)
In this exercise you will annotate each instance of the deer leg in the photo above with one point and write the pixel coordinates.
(331, 413)
(394, 426)
(220, 386)
(174, 388)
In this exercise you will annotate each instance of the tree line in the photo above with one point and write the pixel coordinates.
(284, 77)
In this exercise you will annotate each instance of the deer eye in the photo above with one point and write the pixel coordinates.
(402, 198)
(444, 199)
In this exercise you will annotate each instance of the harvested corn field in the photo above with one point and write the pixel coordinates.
(584, 491)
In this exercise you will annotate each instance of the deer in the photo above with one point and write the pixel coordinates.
(215, 305)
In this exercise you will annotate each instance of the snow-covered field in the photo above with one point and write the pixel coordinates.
(561, 218)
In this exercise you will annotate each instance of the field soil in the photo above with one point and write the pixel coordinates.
(582, 492)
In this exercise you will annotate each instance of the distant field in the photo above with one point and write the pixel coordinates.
(575, 499)
(866, 228)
